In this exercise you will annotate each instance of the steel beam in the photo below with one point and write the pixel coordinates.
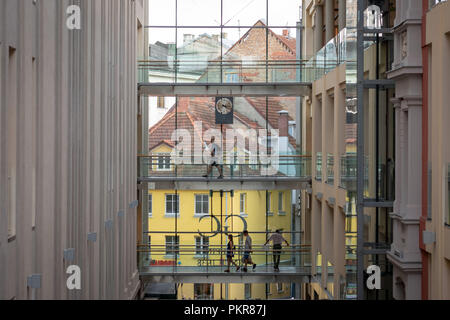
(243, 183)
(299, 89)
(360, 151)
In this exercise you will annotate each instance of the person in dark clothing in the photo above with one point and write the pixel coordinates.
(230, 254)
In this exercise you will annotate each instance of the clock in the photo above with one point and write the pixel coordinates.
(224, 106)
(224, 110)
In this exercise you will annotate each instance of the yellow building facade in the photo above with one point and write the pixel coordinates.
(170, 232)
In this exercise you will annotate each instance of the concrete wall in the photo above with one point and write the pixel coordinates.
(68, 147)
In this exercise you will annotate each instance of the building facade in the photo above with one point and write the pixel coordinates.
(435, 219)
(263, 211)
(405, 160)
(330, 212)
(68, 127)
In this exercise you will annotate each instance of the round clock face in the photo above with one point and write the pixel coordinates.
(224, 106)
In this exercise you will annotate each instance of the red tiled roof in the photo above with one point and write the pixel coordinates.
(202, 109)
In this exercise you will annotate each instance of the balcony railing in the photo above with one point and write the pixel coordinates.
(198, 70)
(292, 165)
(330, 169)
(333, 54)
(348, 171)
(319, 166)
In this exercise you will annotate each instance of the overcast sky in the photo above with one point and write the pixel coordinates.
(208, 13)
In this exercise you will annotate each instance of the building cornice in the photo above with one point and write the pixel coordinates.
(402, 71)
(404, 265)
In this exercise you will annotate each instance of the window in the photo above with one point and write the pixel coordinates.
(164, 162)
(231, 77)
(161, 104)
(280, 203)
(430, 194)
(447, 220)
(203, 291)
(243, 203)
(11, 112)
(201, 246)
(269, 204)
(172, 245)
(201, 204)
(150, 205)
(268, 288)
(292, 128)
(248, 291)
(279, 287)
(172, 204)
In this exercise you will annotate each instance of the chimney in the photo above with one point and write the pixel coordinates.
(283, 123)
(286, 33)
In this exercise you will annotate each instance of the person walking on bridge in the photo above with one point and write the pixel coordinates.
(247, 251)
(214, 150)
(277, 240)
(230, 253)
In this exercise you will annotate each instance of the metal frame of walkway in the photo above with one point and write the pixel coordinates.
(264, 274)
(274, 89)
(228, 183)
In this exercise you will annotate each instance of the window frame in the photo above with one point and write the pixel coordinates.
(248, 291)
(281, 210)
(173, 244)
(243, 206)
(203, 286)
(164, 166)
(202, 203)
(280, 287)
(161, 102)
(150, 205)
(201, 249)
(177, 202)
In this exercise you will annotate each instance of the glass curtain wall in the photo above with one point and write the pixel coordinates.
(194, 41)
(228, 41)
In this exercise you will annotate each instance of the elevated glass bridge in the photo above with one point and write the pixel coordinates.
(208, 264)
(283, 172)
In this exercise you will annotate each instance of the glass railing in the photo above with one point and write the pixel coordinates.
(212, 258)
(330, 169)
(197, 70)
(319, 166)
(194, 67)
(348, 171)
(333, 54)
(283, 165)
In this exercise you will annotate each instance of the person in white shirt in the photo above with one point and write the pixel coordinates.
(277, 240)
(214, 162)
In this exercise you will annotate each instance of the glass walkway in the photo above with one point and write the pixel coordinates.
(208, 264)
